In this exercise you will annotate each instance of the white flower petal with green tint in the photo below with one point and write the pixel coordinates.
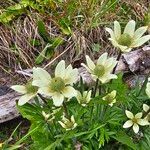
(138, 115)
(72, 119)
(19, 88)
(129, 114)
(86, 67)
(111, 63)
(139, 32)
(89, 62)
(46, 91)
(130, 38)
(40, 83)
(88, 95)
(117, 29)
(40, 77)
(102, 59)
(141, 41)
(127, 50)
(122, 48)
(58, 99)
(130, 28)
(71, 76)
(25, 98)
(146, 107)
(128, 124)
(62, 124)
(111, 32)
(69, 92)
(60, 69)
(135, 128)
(142, 122)
(148, 89)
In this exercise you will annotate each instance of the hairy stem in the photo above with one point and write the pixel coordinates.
(65, 110)
(118, 58)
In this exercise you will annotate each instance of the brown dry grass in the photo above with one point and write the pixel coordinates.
(17, 52)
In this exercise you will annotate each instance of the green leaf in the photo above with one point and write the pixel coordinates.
(43, 32)
(120, 87)
(40, 58)
(123, 138)
(96, 47)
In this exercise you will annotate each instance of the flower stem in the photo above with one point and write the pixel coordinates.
(144, 84)
(95, 89)
(118, 58)
(42, 98)
(65, 110)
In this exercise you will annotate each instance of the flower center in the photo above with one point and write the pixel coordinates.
(57, 84)
(30, 88)
(99, 70)
(134, 120)
(109, 98)
(69, 124)
(125, 40)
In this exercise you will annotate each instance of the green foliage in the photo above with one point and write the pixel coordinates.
(51, 44)
(125, 139)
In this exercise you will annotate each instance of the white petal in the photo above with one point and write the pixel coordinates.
(138, 115)
(114, 42)
(46, 91)
(40, 83)
(129, 114)
(146, 107)
(148, 89)
(141, 41)
(89, 96)
(135, 128)
(111, 63)
(122, 48)
(106, 78)
(86, 67)
(142, 122)
(60, 69)
(19, 88)
(58, 99)
(72, 119)
(102, 59)
(90, 63)
(113, 93)
(69, 92)
(128, 124)
(110, 31)
(126, 50)
(130, 28)
(40, 75)
(71, 76)
(25, 98)
(62, 124)
(139, 32)
(117, 29)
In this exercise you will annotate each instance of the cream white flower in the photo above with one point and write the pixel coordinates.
(102, 69)
(1, 144)
(45, 115)
(129, 38)
(84, 98)
(28, 92)
(59, 86)
(146, 108)
(134, 121)
(48, 117)
(110, 98)
(148, 88)
(68, 124)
